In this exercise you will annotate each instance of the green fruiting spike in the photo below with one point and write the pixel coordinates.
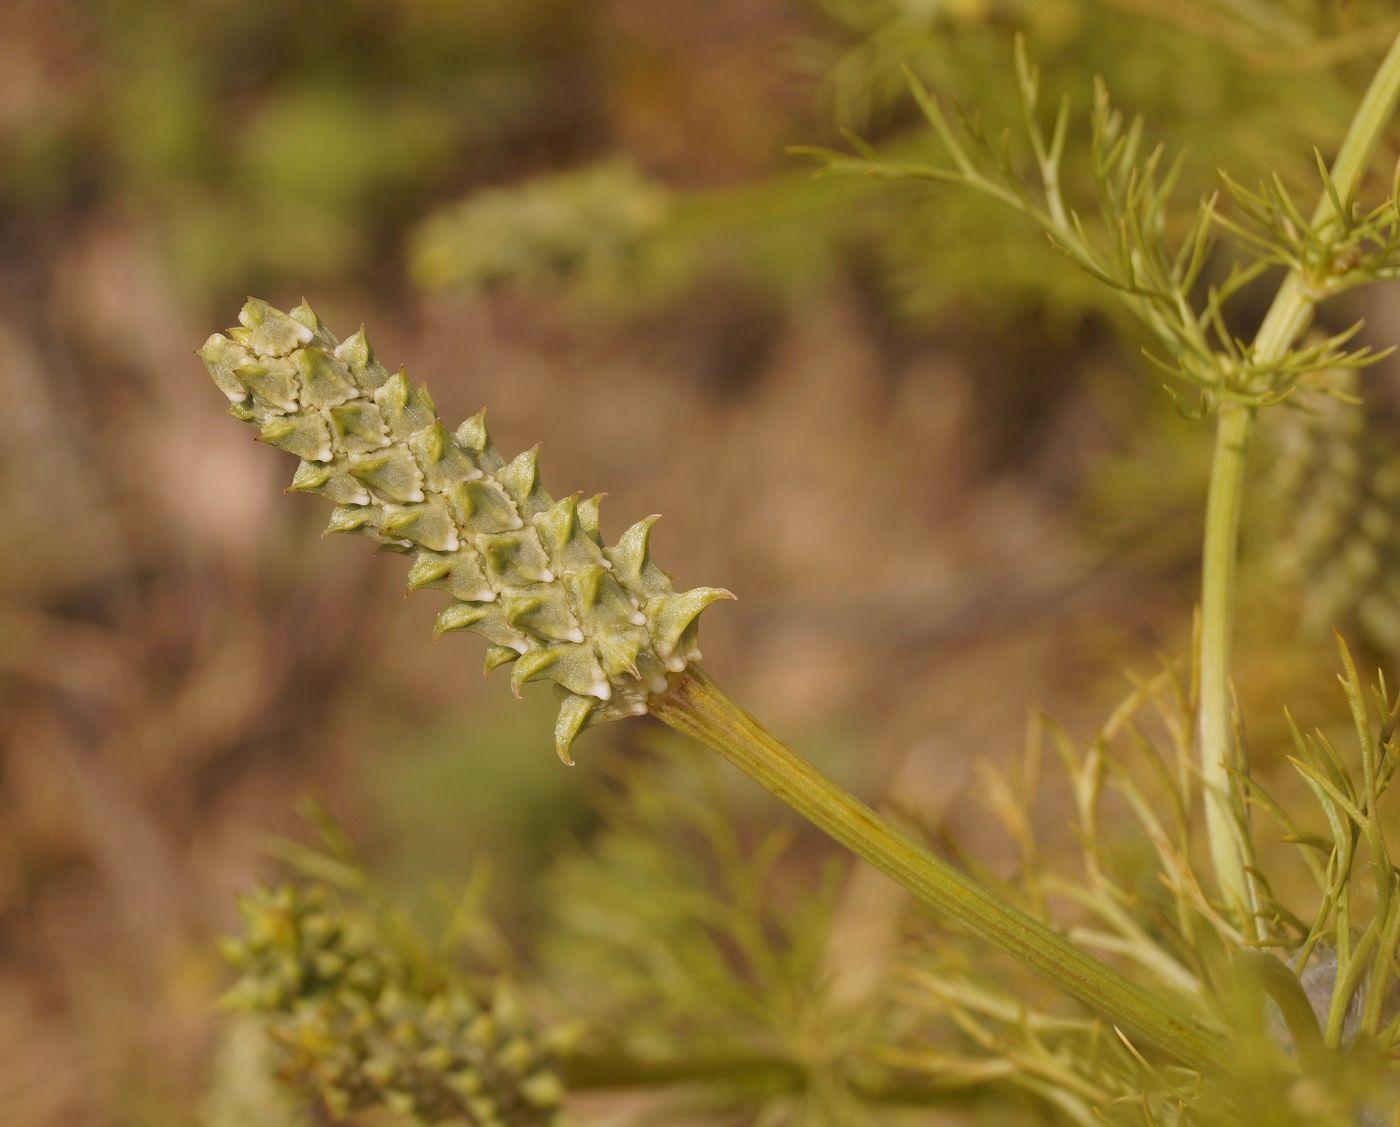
(530, 574)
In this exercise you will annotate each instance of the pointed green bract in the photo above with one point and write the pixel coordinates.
(528, 573)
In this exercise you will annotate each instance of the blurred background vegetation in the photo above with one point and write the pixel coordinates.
(917, 444)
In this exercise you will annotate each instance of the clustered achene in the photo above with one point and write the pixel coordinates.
(528, 573)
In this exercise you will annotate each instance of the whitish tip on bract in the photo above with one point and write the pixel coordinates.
(529, 574)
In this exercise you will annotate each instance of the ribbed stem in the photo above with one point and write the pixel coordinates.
(1287, 319)
(695, 706)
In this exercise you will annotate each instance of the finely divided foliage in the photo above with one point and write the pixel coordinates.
(1134, 238)
(529, 574)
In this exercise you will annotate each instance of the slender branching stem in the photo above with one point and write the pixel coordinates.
(1287, 319)
(695, 706)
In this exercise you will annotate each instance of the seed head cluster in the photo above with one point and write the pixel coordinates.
(528, 573)
(361, 1024)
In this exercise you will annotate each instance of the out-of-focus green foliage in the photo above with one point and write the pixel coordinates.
(1131, 233)
(1314, 1034)
(698, 950)
(591, 224)
(265, 144)
(609, 238)
(1238, 83)
(676, 937)
(1225, 38)
(1253, 85)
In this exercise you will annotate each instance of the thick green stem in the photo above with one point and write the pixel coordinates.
(695, 706)
(1287, 319)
